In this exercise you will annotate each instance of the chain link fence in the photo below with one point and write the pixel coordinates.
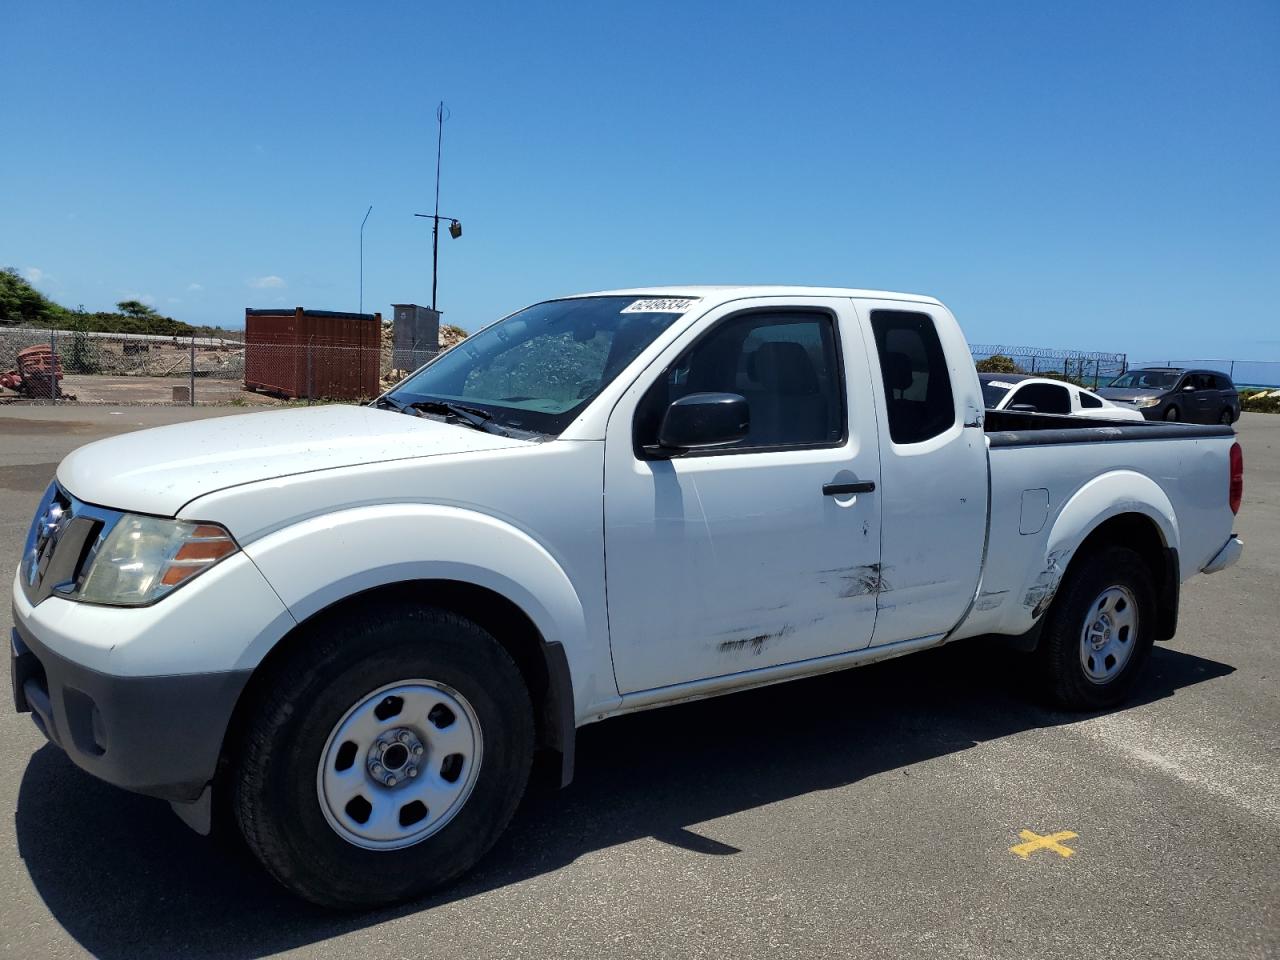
(1086, 368)
(135, 368)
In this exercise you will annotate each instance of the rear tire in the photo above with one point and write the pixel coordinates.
(1227, 418)
(367, 676)
(1098, 631)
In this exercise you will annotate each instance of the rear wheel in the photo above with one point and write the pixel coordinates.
(1227, 417)
(384, 757)
(1099, 630)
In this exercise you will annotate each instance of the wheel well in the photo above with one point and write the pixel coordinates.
(541, 663)
(1140, 533)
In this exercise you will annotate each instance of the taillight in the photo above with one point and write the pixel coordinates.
(1236, 491)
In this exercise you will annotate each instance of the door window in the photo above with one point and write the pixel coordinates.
(1045, 397)
(917, 386)
(787, 367)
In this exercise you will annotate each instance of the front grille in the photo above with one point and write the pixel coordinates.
(63, 537)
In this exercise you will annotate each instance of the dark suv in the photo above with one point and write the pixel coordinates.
(1173, 393)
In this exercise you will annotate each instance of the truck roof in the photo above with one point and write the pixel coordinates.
(720, 293)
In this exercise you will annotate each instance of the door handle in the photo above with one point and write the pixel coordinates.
(841, 489)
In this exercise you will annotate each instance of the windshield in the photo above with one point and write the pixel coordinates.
(1145, 380)
(993, 391)
(537, 369)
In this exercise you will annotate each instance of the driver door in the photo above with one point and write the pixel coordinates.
(734, 559)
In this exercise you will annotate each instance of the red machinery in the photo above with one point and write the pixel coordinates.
(38, 373)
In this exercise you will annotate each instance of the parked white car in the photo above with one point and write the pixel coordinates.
(1009, 391)
(353, 626)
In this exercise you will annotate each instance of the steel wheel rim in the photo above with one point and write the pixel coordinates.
(399, 764)
(1109, 634)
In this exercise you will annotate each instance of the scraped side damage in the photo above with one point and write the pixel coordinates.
(989, 601)
(1041, 593)
(860, 581)
(755, 644)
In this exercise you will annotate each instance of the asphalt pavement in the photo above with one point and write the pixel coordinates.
(924, 807)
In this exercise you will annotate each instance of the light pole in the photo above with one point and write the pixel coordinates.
(455, 231)
(455, 225)
(362, 223)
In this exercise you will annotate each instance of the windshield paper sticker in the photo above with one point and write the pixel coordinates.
(667, 305)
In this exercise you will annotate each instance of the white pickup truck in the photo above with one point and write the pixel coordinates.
(351, 627)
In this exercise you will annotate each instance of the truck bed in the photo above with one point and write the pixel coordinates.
(1044, 464)
(1016, 428)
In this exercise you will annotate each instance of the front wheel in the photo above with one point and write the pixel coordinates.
(1173, 414)
(384, 757)
(1098, 631)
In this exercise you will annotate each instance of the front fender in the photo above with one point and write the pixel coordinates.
(320, 561)
(1108, 495)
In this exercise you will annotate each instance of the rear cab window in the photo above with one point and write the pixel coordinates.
(917, 387)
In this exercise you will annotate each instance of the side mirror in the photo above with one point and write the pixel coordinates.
(1024, 407)
(1189, 388)
(702, 420)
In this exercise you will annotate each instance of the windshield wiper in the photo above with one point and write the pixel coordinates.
(478, 419)
(384, 403)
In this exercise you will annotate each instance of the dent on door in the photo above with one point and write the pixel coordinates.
(743, 571)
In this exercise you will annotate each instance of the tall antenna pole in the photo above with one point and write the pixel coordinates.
(435, 222)
(362, 223)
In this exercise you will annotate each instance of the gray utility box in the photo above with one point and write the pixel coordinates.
(415, 336)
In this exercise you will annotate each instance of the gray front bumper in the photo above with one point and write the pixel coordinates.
(160, 736)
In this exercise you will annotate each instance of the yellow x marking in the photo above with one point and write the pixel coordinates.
(1036, 842)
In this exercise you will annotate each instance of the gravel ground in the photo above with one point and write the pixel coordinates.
(868, 814)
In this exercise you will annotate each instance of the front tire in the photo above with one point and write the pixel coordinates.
(383, 757)
(1098, 631)
(1173, 414)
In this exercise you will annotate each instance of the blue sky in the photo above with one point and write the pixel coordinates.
(1098, 176)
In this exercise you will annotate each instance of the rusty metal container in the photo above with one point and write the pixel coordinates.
(313, 354)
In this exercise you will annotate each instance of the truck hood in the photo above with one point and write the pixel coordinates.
(1127, 394)
(156, 471)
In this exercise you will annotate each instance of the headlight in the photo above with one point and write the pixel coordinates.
(144, 558)
(1146, 402)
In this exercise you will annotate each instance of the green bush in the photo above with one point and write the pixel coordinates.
(123, 323)
(23, 305)
(998, 363)
(80, 356)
